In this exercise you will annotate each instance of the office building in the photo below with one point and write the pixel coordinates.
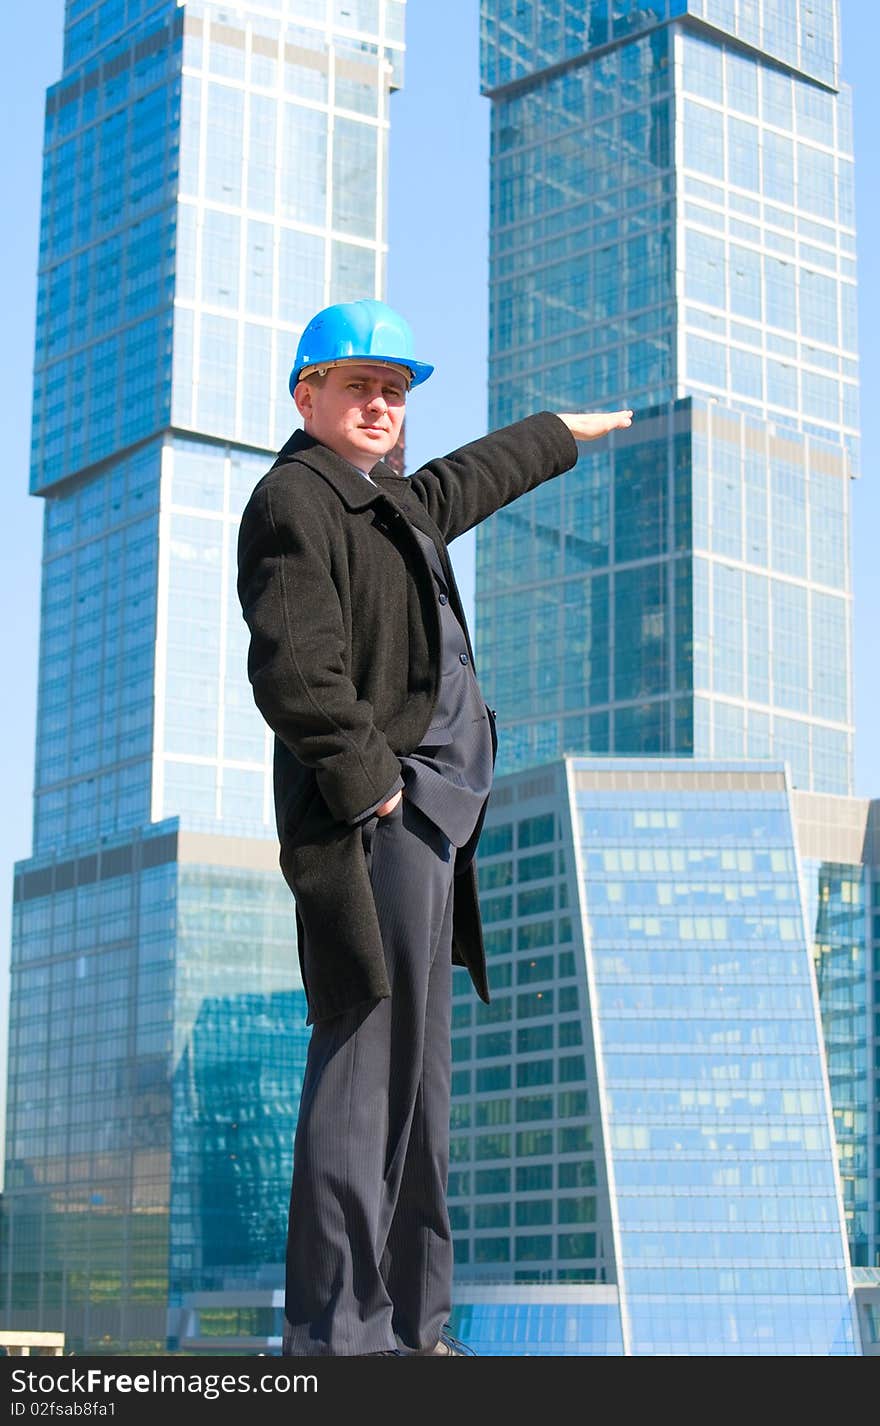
(213, 174)
(643, 1151)
(672, 230)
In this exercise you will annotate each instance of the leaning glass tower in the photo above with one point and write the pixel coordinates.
(213, 174)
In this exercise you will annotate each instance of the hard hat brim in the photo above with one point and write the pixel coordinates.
(420, 370)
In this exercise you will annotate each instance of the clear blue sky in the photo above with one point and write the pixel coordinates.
(438, 215)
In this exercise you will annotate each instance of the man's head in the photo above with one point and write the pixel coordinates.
(354, 365)
(356, 408)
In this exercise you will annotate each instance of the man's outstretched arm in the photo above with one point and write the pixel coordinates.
(465, 487)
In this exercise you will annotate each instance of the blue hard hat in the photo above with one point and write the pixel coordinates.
(350, 331)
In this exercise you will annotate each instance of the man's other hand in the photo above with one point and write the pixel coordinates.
(390, 805)
(591, 425)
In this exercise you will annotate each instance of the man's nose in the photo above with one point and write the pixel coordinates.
(377, 401)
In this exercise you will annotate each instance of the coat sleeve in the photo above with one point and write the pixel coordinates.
(368, 811)
(296, 658)
(461, 489)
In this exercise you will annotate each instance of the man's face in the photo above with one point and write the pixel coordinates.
(356, 410)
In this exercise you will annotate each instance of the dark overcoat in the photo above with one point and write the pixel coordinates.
(344, 662)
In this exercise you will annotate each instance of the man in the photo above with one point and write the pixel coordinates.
(361, 663)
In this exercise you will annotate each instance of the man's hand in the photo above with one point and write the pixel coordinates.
(590, 426)
(390, 805)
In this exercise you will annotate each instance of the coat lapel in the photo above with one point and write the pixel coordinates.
(353, 490)
(356, 493)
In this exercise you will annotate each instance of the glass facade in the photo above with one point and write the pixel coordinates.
(838, 917)
(85, 1205)
(528, 1191)
(727, 1200)
(680, 1019)
(766, 225)
(211, 757)
(672, 230)
(213, 174)
(840, 853)
(151, 1101)
(237, 1073)
(521, 37)
(102, 362)
(281, 195)
(686, 590)
(540, 1322)
(582, 275)
(98, 628)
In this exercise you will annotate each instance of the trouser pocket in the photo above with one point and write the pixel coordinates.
(368, 830)
(372, 828)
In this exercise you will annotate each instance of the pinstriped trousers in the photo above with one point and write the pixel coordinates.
(369, 1249)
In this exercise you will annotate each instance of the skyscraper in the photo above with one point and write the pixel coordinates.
(672, 229)
(213, 174)
(678, 1065)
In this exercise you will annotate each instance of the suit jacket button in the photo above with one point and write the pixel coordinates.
(442, 598)
(464, 658)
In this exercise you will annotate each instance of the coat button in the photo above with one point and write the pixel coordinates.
(463, 658)
(442, 598)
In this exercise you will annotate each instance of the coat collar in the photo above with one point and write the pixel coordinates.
(347, 481)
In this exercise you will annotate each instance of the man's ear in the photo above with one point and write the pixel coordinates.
(302, 396)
